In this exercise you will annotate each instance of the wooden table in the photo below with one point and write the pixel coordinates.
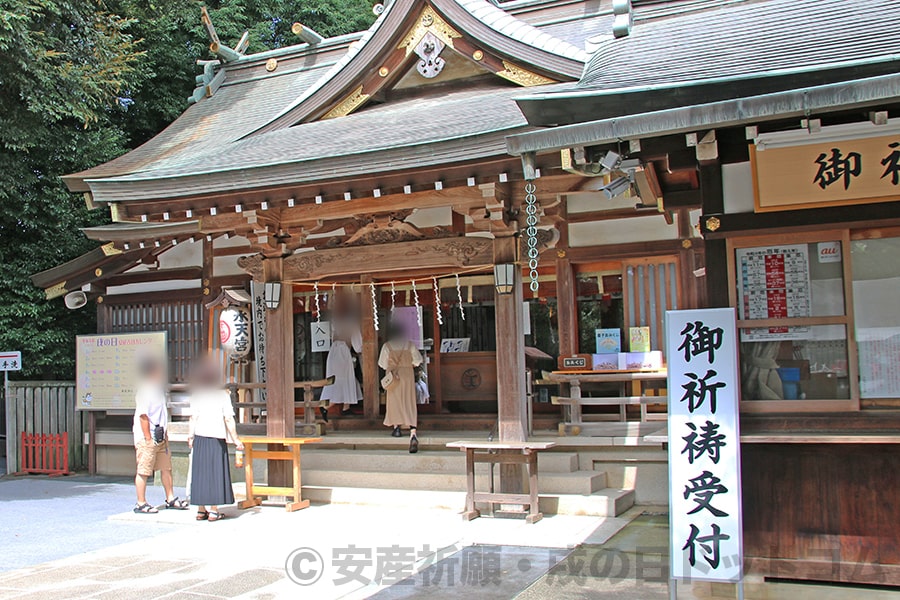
(291, 453)
(502, 453)
(575, 401)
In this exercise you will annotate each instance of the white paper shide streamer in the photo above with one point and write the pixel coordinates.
(416, 301)
(374, 306)
(437, 302)
(318, 307)
(462, 310)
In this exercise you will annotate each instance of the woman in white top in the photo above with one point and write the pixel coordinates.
(212, 422)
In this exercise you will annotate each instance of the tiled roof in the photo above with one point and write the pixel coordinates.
(236, 109)
(410, 133)
(352, 51)
(210, 134)
(720, 39)
(579, 31)
(508, 25)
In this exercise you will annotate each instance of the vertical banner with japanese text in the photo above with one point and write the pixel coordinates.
(257, 291)
(706, 541)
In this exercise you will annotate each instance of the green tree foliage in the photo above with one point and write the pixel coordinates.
(175, 39)
(81, 82)
(62, 68)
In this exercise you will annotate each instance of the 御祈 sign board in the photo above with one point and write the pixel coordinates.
(107, 367)
(817, 174)
(706, 541)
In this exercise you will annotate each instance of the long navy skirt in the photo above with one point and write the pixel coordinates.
(210, 473)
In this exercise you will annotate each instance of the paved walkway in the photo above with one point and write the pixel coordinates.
(74, 538)
(97, 548)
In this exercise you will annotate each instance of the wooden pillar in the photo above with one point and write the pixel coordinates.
(370, 385)
(280, 367)
(716, 261)
(512, 408)
(509, 317)
(566, 307)
(206, 278)
(687, 257)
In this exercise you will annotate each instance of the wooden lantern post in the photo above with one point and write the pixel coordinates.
(280, 366)
(512, 411)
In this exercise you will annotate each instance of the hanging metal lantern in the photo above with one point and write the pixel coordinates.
(234, 331)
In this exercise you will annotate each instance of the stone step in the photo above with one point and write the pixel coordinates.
(607, 502)
(423, 462)
(577, 482)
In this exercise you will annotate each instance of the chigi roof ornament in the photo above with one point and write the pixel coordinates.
(624, 18)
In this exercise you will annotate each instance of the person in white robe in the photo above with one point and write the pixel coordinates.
(346, 391)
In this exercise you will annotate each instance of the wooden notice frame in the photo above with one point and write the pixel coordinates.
(107, 367)
(803, 406)
(784, 177)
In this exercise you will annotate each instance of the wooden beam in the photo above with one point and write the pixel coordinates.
(607, 215)
(153, 297)
(553, 180)
(451, 253)
(155, 275)
(234, 250)
(460, 198)
(886, 214)
(682, 199)
(621, 251)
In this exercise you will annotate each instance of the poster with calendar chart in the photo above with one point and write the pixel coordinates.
(773, 283)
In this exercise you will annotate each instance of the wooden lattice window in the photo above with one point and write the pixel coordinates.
(651, 287)
(181, 319)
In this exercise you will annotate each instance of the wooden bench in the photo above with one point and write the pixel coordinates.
(502, 453)
(291, 453)
(574, 402)
(309, 426)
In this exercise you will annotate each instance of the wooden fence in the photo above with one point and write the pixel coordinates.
(44, 407)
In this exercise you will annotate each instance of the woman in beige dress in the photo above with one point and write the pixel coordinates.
(399, 357)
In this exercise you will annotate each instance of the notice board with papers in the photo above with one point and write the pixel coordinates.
(107, 367)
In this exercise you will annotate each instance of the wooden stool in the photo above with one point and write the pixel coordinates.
(515, 453)
(292, 454)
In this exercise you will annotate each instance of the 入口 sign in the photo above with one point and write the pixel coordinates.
(706, 541)
(320, 336)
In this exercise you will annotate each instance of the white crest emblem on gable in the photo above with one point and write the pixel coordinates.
(429, 50)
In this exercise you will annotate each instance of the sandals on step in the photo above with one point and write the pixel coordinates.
(215, 516)
(202, 515)
(177, 504)
(145, 509)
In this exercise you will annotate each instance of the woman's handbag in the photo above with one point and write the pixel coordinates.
(389, 380)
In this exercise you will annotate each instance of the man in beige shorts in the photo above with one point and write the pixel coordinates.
(151, 419)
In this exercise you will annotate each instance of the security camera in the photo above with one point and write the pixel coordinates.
(378, 9)
(611, 161)
(616, 187)
(75, 300)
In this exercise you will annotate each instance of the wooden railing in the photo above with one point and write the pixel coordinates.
(44, 407)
